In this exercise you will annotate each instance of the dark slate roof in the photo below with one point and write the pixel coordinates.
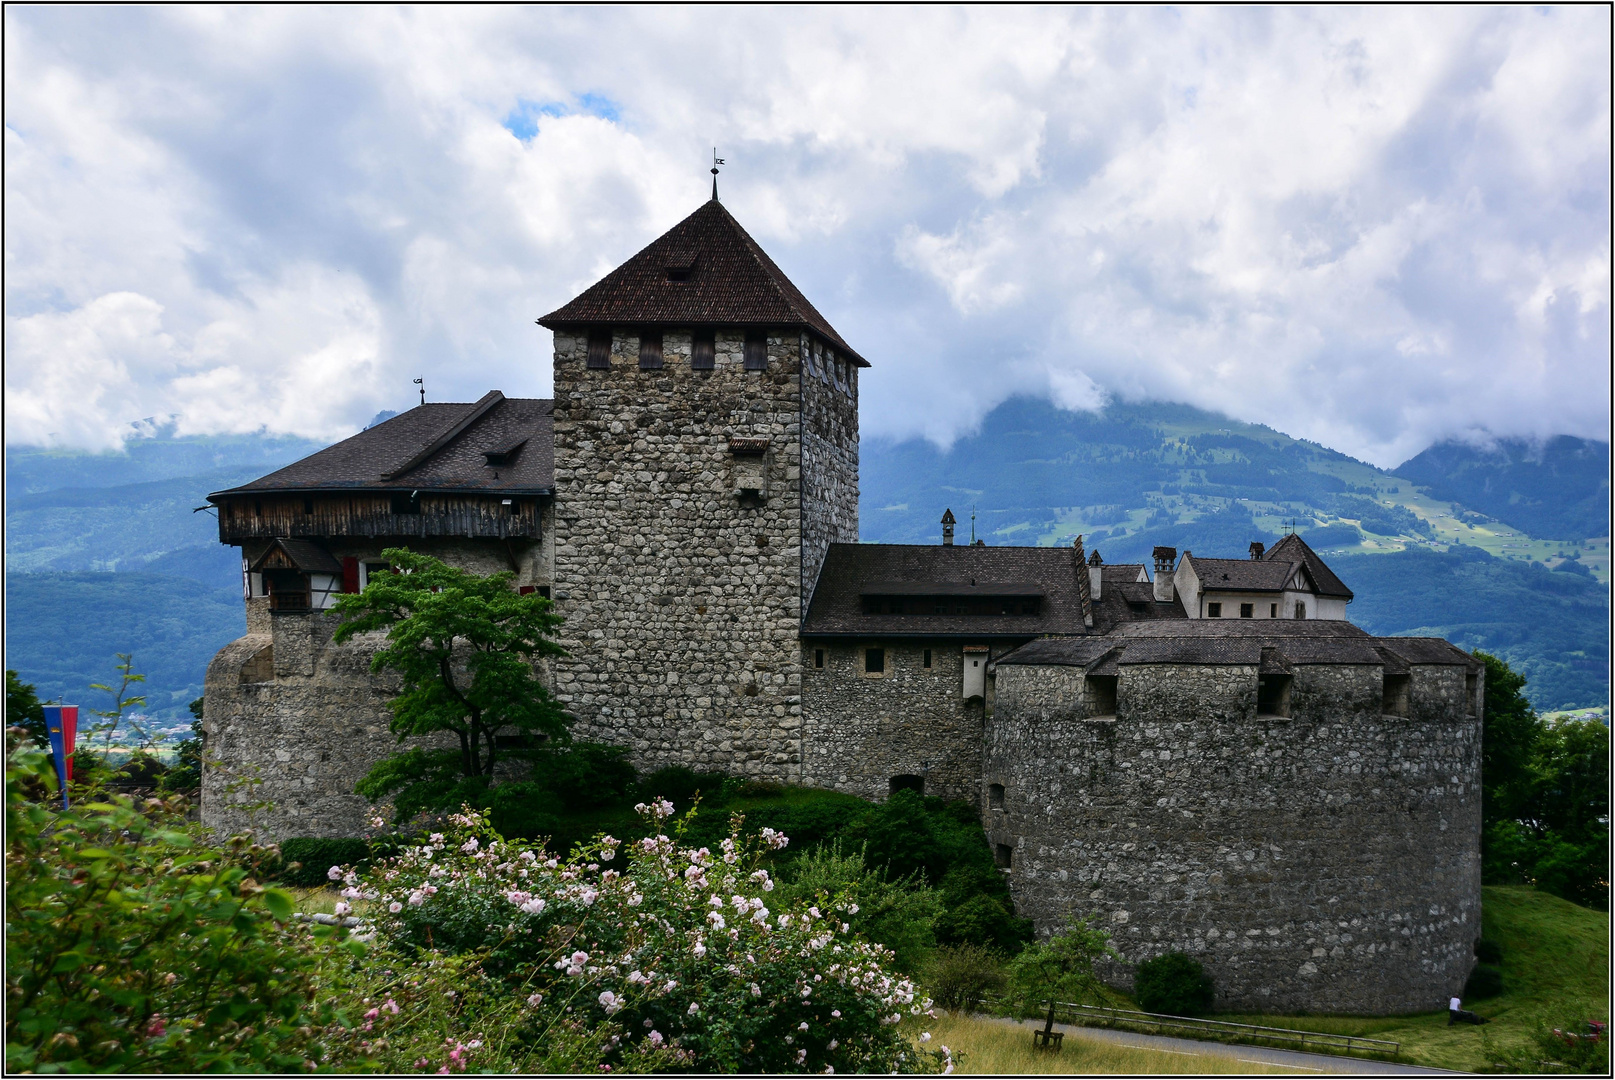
(1241, 575)
(1132, 601)
(1273, 645)
(732, 282)
(436, 447)
(1293, 549)
(854, 570)
(1122, 572)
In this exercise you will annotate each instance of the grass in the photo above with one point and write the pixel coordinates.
(996, 1047)
(1555, 967)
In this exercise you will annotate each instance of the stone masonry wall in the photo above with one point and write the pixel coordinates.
(295, 721)
(683, 598)
(829, 456)
(862, 729)
(1326, 861)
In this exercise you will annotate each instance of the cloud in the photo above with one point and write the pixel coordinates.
(1370, 227)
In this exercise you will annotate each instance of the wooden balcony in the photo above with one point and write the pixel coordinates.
(253, 518)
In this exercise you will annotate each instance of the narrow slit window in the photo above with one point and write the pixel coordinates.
(1300, 609)
(756, 352)
(927, 658)
(600, 350)
(703, 351)
(1272, 611)
(874, 661)
(818, 658)
(308, 507)
(650, 350)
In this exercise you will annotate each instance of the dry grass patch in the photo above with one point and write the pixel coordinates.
(996, 1047)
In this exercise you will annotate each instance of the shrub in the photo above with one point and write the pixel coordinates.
(134, 947)
(1485, 981)
(1173, 983)
(899, 915)
(959, 976)
(1488, 952)
(317, 854)
(678, 784)
(678, 949)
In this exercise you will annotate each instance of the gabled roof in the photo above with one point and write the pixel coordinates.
(1241, 575)
(303, 555)
(726, 279)
(853, 571)
(440, 447)
(1294, 549)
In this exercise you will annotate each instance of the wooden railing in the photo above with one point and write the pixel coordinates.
(1103, 1016)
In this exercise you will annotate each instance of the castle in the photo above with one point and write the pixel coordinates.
(1211, 759)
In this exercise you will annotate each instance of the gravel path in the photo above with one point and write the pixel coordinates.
(1304, 1063)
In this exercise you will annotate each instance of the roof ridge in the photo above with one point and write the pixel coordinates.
(475, 413)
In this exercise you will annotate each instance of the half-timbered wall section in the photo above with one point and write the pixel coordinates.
(370, 514)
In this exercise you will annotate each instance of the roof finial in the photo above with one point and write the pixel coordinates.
(716, 161)
(422, 384)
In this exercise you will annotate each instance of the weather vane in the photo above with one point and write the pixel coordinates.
(422, 384)
(716, 161)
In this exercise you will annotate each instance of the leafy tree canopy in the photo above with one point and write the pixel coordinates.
(465, 647)
(24, 710)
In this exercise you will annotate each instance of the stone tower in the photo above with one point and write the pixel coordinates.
(706, 456)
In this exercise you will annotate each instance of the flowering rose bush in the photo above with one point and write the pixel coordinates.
(684, 956)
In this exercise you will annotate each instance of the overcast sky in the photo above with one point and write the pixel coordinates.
(1374, 228)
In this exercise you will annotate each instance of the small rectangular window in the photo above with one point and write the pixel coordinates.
(874, 660)
(756, 352)
(927, 657)
(308, 507)
(1004, 857)
(818, 658)
(406, 504)
(650, 350)
(995, 796)
(600, 349)
(1213, 611)
(1300, 610)
(703, 350)
(1272, 611)
(1247, 611)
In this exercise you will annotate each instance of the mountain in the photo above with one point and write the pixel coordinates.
(104, 553)
(1556, 488)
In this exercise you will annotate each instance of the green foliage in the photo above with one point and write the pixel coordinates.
(679, 785)
(465, 647)
(686, 957)
(1060, 966)
(898, 914)
(134, 947)
(314, 856)
(1172, 983)
(1545, 791)
(1488, 951)
(1485, 981)
(24, 710)
(959, 976)
(122, 702)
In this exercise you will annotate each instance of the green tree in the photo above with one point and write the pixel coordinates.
(1510, 729)
(465, 647)
(186, 773)
(1061, 966)
(24, 710)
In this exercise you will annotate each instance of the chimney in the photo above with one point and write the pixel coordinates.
(1257, 549)
(1165, 562)
(1084, 578)
(1096, 576)
(947, 528)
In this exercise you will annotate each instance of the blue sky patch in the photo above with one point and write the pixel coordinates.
(523, 121)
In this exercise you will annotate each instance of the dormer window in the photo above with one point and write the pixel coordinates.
(503, 455)
(680, 266)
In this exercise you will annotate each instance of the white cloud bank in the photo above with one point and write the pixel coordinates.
(1372, 227)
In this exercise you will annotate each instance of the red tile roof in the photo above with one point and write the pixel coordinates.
(727, 281)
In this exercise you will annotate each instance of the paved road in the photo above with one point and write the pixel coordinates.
(1304, 1064)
